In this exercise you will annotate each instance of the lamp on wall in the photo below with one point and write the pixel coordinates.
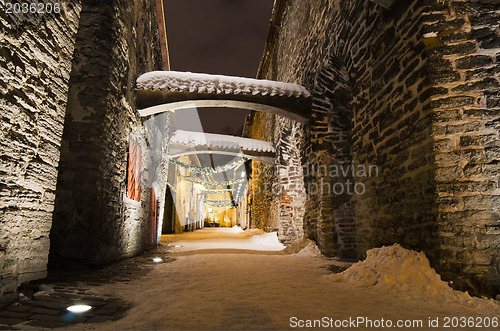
(210, 209)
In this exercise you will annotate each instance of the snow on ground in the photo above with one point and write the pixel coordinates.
(305, 248)
(260, 242)
(234, 229)
(399, 269)
(311, 250)
(252, 232)
(259, 291)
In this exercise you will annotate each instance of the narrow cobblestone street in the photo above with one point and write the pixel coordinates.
(43, 303)
(220, 289)
(242, 164)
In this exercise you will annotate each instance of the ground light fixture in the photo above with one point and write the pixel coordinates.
(157, 259)
(77, 309)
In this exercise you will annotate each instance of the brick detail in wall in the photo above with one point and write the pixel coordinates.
(289, 192)
(463, 93)
(262, 184)
(35, 63)
(327, 162)
(424, 77)
(392, 131)
(95, 222)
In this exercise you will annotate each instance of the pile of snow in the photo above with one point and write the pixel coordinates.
(394, 267)
(303, 247)
(267, 240)
(259, 242)
(252, 232)
(219, 84)
(311, 250)
(235, 229)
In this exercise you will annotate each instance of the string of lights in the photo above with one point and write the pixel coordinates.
(217, 201)
(213, 184)
(209, 170)
(223, 191)
(222, 204)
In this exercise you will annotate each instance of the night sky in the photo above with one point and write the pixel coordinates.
(224, 37)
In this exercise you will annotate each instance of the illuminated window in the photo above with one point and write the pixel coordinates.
(134, 171)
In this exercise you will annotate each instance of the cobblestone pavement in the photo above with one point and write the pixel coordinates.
(43, 303)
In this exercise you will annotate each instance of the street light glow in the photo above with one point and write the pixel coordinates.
(79, 308)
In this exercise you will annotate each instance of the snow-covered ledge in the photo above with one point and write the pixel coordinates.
(220, 140)
(204, 83)
(162, 91)
(190, 143)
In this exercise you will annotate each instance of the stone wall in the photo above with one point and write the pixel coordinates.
(462, 42)
(94, 222)
(288, 192)
(406, 94)
(376, 102)
(35, 64)
(261, 127)
(328, 162)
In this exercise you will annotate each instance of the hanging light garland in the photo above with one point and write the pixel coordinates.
(217, 201)
(220, 204)
(209, 170)
(213, 184)
(223, 191)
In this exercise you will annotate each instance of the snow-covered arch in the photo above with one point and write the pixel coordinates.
(179, 105)
(192, 143)
(161, 91)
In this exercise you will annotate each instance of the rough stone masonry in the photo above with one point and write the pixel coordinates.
(413, 89)
(68, 113)
(95, 222)
(35, 65)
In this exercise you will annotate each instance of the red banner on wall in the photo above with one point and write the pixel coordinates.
(134, 171)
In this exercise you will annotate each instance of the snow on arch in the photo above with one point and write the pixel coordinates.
(219, 84)
(219, 140)
(170, 91)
